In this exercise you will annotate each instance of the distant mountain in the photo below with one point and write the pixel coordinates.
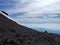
(12, 33)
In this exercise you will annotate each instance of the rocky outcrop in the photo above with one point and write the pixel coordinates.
(4, 12)
(12, 33)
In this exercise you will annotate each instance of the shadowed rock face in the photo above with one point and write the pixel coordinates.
(12, 33)
(4, 12)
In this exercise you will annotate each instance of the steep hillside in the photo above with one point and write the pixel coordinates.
(12, 33)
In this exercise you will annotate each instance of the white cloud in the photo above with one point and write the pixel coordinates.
(35, 8)
(52, 26)
(37, 20)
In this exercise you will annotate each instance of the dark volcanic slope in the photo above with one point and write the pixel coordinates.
(12, 33)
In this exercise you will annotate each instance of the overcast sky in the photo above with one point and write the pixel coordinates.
(32, 11)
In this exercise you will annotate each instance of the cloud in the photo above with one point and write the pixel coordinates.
(37, 20)
(34, 10)
(33, 6)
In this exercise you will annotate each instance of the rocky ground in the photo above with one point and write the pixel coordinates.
(12, 33)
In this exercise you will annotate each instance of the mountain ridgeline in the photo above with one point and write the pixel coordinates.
(11, 33)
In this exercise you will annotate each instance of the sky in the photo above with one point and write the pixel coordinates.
(33, 11)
